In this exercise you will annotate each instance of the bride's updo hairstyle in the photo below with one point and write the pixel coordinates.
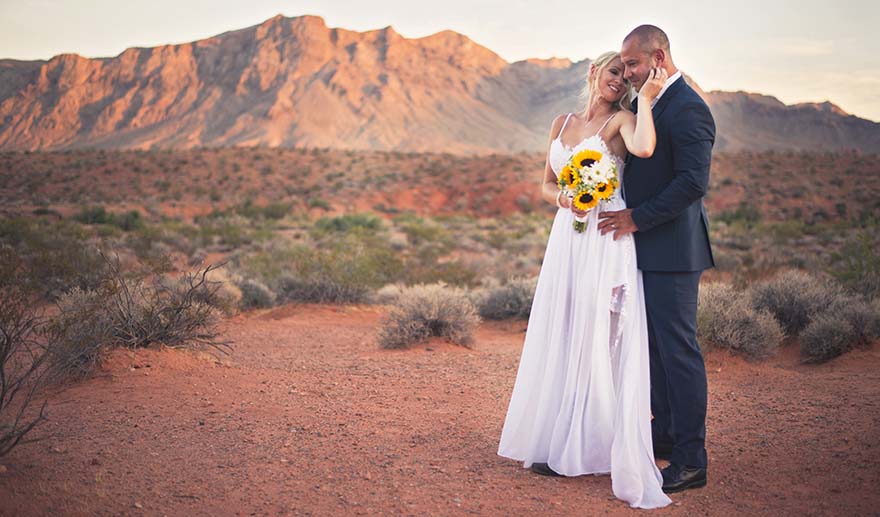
(601, 62)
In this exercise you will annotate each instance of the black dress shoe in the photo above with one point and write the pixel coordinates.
(679, 477)
(662, 451)
(544, 470)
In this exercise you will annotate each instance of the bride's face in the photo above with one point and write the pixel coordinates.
(611, 83)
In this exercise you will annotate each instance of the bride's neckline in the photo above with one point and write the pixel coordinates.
(597, 135)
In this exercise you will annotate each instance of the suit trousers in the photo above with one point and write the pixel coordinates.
(678, 373)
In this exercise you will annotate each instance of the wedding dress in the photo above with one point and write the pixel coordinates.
(581, 399)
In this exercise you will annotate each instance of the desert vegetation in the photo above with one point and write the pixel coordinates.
(428, 236)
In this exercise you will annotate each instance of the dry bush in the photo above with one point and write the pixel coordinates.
(320, 290)
(848, 323)
(864, 318)
(255, 294)
(857, 264)
(181, 313)
(344, 268)
(227, 297)
(80, 332)
(794, 298)
(425, 311)
(388, 294)
(511, 300)
(726, 319)
(133, 309)
(56, 255)
(22, 358)
(875, 309)
(826, 337)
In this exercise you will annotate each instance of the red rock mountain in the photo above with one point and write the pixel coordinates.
(296, 82)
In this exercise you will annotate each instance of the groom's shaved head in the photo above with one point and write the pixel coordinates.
(648, 38)
(645, 48)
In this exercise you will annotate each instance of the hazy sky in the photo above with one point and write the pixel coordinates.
(796, 50)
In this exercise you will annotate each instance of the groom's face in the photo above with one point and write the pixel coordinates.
(637, 62)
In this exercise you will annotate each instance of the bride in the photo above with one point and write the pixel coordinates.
(581, 399)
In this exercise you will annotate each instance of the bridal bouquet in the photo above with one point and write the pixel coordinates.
(587, 178)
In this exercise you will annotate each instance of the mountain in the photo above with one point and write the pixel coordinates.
(295, 82)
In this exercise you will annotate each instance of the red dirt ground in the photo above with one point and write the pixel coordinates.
(308, 416)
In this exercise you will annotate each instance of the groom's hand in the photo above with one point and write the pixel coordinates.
(620, 222)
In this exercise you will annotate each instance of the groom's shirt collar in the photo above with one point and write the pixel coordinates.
(674, 77)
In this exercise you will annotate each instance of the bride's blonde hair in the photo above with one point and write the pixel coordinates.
(601, 62)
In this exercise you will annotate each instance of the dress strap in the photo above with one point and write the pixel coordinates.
(606, 123)
(563, 126)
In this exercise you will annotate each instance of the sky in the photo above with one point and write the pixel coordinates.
(795, 50)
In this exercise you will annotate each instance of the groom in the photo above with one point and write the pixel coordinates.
(664, 196)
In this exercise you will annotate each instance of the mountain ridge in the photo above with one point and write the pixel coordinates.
(294, 81)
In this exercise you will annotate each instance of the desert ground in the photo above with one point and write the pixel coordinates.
(309, 416)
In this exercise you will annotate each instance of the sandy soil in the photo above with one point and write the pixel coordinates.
(308, 416)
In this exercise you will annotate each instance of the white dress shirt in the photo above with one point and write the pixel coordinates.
(674, 77)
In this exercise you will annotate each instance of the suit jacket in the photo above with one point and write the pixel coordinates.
(666, 190)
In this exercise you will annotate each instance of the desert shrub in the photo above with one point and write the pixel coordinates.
(346, 270)
(794, 298)
(826, 337)
(875, 309)
(220, 229)
(127, 221)
(388, 294)
(857, 264)
(863, 318)
(726, 319)
(745, 214)
(227, 296)
(273, 210)
(56, 255)
(82, 330)
(197, 257)
(320, 289)
(511, 300)
(155, 240)
(176, 313)
(317, 202)
(24, 354)
(348, 222)
(21, 358)
(255, 294)
(424, 311)
(132, 309)
(420, 231)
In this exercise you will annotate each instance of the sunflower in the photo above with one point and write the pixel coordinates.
(569, 177)
(603, 191)
(586, 158)
(585, 201)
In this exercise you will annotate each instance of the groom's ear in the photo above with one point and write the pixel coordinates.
(659, 57)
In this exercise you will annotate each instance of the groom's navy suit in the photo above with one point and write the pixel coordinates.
(666, 193)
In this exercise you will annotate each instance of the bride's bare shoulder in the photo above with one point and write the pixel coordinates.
(557, 122)
(625, 116)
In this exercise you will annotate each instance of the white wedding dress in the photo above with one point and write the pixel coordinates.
(581, 399)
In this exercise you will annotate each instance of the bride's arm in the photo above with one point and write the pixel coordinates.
(549, 187)
(638, 131)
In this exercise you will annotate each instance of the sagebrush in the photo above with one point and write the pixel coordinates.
(726, 319)
(424, 311)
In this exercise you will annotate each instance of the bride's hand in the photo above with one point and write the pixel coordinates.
(656, 79)
(576, 212)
